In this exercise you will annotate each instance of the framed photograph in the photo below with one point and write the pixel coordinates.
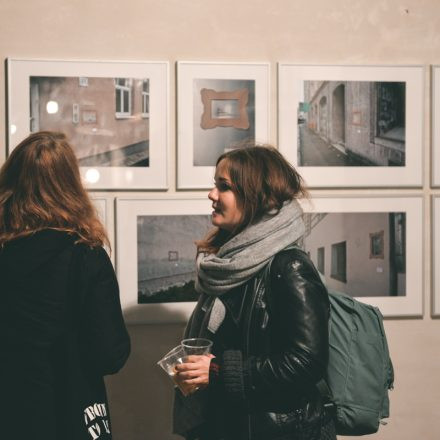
(436, 256)
(352, 126)
(156, 253)
(220, 107)
(435, 126)
(369, 248)
(115, 115)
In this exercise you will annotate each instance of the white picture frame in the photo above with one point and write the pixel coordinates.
(435, 308)
(105, 208)
(364, 266)
(201, 86)
(435, 124)
(114, 113)
(346, 126)
(130, 261)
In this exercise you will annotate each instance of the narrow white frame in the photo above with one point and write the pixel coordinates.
(154, 176)
(127, 211)
(289, 95)
(412, 303)
(435, 125)
(190, 176)
(105, 207)
(435, 308)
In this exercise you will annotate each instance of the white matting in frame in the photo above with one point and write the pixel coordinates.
(352, 126)
(220, 105)
(369, 248)
(115, 115)
(155, 258)
(435, 309)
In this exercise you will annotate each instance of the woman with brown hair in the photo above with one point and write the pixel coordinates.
(61, 325)
(263, 305)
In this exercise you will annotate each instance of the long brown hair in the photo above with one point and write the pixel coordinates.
(262, 180)
(40, 188)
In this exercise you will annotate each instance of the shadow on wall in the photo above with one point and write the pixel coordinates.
(141, 395)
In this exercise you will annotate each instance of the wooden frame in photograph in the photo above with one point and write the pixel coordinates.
(115, 115)
(352, 126)
(435, 307)
(220, 106)
(338, 240)
(156, 253)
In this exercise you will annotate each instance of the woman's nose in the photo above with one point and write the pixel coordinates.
(213, 194)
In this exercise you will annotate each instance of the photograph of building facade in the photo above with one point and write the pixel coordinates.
(105, 119)
(166, 256)
(360, 254)
(210, 143)
(352, 123)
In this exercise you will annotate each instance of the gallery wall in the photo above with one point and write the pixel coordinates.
(341, 32)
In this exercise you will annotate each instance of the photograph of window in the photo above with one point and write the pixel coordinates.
(109, 127)
(352, 123)
(115, 115)
(368, 247)
(355, 126)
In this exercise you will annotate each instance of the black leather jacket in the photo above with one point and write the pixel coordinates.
(272, 351)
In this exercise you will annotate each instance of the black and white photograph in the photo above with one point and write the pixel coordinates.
(220, 107)
(166, 256)
(352, 123)
(360, 254)
(106, 119)
(352, 126)
(156, 255)
(115, 115)
(212, 140)
(369, 248)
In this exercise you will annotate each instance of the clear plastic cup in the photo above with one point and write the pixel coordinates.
(168, 364)
(197, 346)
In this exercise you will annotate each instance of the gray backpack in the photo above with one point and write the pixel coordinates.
(360, 371)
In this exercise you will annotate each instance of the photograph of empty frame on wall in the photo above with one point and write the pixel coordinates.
(220, 107)
(156, 256)
(369, 248)
(115, 115)
(352, 126)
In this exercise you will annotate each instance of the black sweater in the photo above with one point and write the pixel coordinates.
(61, 331)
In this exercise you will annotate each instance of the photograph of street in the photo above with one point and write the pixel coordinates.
(351, 123)
(166, 256)
(107, 120)
(360, 254)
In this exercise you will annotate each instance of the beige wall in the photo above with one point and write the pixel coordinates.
(314, 31)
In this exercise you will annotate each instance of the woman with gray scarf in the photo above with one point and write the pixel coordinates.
(264, 307)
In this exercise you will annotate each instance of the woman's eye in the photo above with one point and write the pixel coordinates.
(223, 187)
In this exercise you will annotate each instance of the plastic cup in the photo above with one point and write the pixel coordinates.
(168, 364)
(196, 346)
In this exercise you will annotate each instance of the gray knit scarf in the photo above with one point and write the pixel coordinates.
(244, 255)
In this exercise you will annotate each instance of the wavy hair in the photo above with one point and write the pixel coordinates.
(262, 180)
(40, 188)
